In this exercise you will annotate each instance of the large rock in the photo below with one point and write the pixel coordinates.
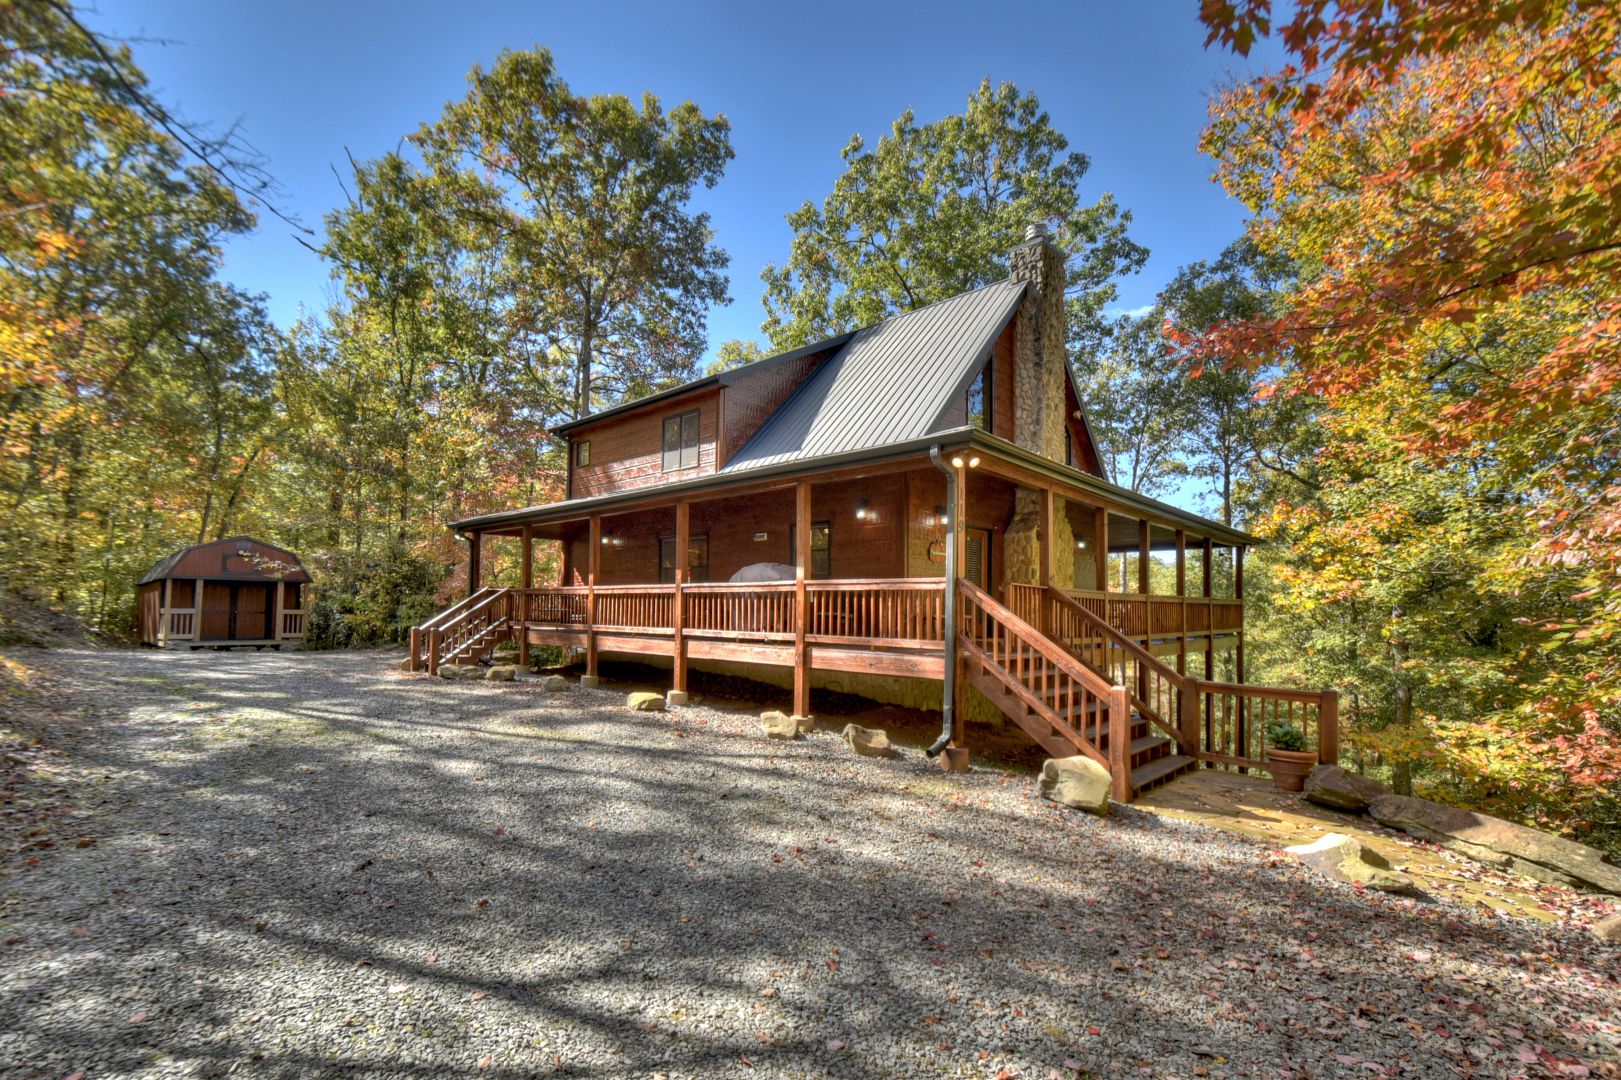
(460, 671)
(555, 683)
(502, 673)
(868, 742)
(1608, 929)
(1333, 787)
(779, 725)
(645, 702)
(807, 724)
(1499, 843)
(1342, 858)
(1076, 781)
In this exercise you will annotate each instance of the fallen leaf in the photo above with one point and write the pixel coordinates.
(140, 1018)
(835, 1045)
(486, 1061)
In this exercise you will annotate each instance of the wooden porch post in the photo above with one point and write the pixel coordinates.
(683, 559)
(1182, 600)
(593, 562)
(165, 594)
(1142, 556)
(1044, 569)
(474, 543)
(1100, 546)
(1238, 656)
(196, 610)
(1207, 572)
(527, 539)
(802, 531)
(1148, 605)
(278, 593)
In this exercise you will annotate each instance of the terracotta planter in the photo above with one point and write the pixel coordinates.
(1290, 767)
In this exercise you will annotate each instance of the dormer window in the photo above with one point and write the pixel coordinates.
(977, 404)
(681, 441)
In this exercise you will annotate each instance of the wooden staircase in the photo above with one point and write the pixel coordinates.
(1064, 704)
(463, 633)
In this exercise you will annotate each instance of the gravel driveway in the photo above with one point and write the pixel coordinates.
(312, 865)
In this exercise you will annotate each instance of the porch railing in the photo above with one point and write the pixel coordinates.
(881, 612)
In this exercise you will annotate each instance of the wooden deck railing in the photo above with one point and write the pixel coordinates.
(881, 612)
(182, 623)
(878, 611)
(292, 623)
(1144, 617)
(753, 611)
(1234, 717)
(480, 618)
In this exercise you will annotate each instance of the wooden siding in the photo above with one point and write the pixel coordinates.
(755, 396)
(628, 452)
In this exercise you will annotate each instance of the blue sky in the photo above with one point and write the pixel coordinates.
(1126, 82)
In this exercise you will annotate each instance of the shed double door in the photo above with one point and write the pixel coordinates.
(236, 612)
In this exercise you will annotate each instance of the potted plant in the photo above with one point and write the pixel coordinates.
(1287, 756)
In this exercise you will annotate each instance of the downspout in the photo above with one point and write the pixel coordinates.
(948, 722)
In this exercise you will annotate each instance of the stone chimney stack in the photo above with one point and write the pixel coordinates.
(1040, 353)
(1040, 360)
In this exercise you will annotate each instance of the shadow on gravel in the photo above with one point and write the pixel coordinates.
(345, 872)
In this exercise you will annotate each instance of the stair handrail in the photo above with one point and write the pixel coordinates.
(1178, 681)
(1094, 683)
(439, 620)
(467, 616)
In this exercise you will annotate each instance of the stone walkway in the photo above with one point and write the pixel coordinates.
(311, 865)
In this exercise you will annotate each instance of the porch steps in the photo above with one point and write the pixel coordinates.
(1160, 771)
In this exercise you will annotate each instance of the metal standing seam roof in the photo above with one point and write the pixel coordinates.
(890, 383)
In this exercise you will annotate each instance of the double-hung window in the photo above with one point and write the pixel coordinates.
(681, 441)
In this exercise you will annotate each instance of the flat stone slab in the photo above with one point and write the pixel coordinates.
(868, 742)
(1499, 843)
(460, 671)
(1337, 789)
(1077, 782)
(502, 673)
(644, 701)
(554, 683)
(1342, 858)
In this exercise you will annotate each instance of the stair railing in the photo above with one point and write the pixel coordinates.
(444, 636)
(1040, 672)
(1158, 691)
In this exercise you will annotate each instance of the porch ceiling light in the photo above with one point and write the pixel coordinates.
(1080, 544)
(973, 462)
(956, 461)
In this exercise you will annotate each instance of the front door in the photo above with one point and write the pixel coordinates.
(216, 611)
(252, 612)
(979, 555)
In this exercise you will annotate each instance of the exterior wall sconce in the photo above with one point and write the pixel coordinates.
(972, 462)
(1080, 545)
(940, 517)
(865, 512)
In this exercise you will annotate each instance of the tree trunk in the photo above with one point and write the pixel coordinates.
(582, 406)
(1401, 770)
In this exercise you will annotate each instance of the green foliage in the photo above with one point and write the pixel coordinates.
(1138, 405)
(605, 271)
(1281, 736)
(933, 210)
(735, 353)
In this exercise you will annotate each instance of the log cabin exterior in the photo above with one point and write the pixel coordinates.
(233, 592)
(931, 497)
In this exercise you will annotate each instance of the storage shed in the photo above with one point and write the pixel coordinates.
(231, 592)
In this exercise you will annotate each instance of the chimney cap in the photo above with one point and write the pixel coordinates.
(1036, 230)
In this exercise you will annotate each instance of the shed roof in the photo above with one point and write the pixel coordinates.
(890, 383)
(196, 568)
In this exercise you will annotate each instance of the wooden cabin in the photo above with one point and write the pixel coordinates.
(235, 592)
(914, 511)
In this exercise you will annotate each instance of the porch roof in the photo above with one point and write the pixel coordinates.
(1015, 457)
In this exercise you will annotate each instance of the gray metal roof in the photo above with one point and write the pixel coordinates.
(890, 383)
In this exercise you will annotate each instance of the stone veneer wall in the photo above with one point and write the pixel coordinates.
(1040, 357)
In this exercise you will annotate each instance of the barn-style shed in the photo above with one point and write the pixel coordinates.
(237, 591)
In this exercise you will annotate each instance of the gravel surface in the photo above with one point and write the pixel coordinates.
(312, 865)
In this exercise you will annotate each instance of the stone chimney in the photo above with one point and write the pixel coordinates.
(1040, 359)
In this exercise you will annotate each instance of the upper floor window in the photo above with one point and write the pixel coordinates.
(681, 441)
(582, 452)
(978, 402)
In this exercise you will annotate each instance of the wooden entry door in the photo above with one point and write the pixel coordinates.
(216, 611)
(252, 612)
